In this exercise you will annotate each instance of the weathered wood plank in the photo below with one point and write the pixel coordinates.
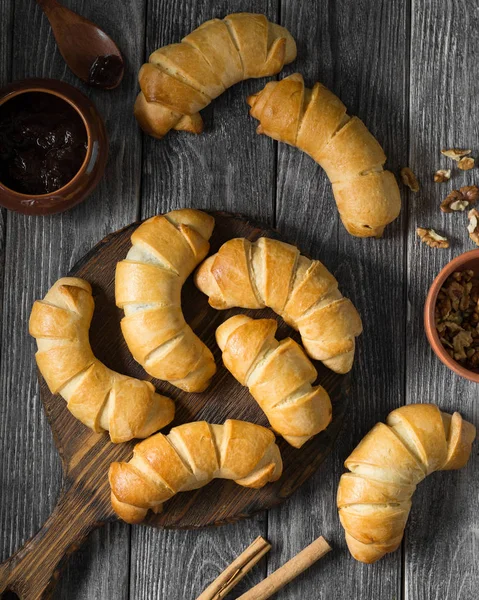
(229, 168)
(361, 51)
(442, 543)
(38, 251)
(6, 18)
(351, 48)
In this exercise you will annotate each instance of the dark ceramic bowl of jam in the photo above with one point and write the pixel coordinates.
(53, 146)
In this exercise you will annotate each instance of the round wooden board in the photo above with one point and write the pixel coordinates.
(220, 501)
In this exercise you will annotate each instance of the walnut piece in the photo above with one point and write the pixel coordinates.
(409, 179)
(461, 341)
(457, 317)
(442, 175)
(455, 153)
(459, 200)
(432, 238)
(470, 193)
(466, 163)
(473, 228)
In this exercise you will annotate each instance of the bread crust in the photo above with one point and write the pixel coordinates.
(303, 292)
(189, 457)
(100, 398)
(165, 250)
(316, 122)
(374, 500)
(181, 79)
(279, 376)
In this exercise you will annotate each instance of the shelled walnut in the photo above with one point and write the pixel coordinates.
(409, 179)
(456, 153)
(466, 163)
(457, 318)
(442, 175)
(459, 200)
(473, 226)
(432, 238)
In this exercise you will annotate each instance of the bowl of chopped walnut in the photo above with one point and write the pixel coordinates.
(451, 315)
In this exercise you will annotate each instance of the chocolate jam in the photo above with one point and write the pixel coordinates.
(105, 71)
(43, 143)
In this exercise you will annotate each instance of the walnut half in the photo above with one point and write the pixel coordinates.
(473, 228)
(459, 200)
(466, 163)
(409, 179)
(456, 153)
(442, 175)
(432, 238)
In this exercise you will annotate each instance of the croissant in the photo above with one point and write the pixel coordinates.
(181, 79)
(165, 250)
(375, 498)
(188, 458)
(302, 291)
(279, 376)
(316, 122)
(99, 397)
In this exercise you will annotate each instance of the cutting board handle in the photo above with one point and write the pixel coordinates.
(32, 572)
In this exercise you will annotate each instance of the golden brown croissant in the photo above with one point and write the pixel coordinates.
(99, 397)
(148, 285)
(181, 79)
(375, 498)
(302, 291)
(279, 376)
(316, 122)
(188, 458)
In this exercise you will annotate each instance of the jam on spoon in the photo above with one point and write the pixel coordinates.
(105, 71)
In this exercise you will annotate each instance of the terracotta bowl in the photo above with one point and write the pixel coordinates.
(91, 171)
(466, 261)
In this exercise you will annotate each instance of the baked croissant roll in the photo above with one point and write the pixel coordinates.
(188, 458)
(316, 122)
(165, 250)
(302, 291)
(279, 376)
(374, 500)
(100, 398)
(181, 79)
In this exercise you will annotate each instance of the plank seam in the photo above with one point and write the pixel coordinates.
(138, 218)
(409, 24)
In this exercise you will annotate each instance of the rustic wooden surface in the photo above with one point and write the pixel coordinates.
(409, 69)
(85, 496)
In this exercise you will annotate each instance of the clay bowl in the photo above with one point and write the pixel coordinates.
(466, 261)
(87, 177)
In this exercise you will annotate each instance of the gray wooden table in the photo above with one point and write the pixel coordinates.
(409, 69)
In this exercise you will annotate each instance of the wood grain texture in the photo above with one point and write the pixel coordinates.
(6, 18)
(38, 251)
(442, 542)
(351, 48)
(363, 51)
(86, 456)
(226, 168)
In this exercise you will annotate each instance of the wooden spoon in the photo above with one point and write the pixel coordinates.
(88, 51)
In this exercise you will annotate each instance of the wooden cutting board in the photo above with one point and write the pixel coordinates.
(84, 501)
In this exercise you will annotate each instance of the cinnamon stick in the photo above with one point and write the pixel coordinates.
(233, 574)
(288, 571)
